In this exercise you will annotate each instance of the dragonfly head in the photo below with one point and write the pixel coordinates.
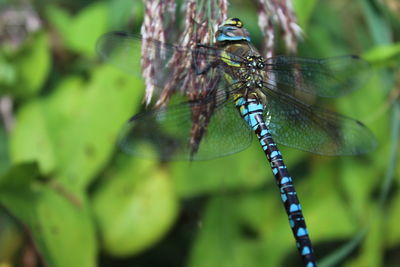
(232, 30)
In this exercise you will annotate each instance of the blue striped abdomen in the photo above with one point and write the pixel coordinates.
(252, 110)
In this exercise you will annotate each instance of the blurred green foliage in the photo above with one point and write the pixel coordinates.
(69, 197)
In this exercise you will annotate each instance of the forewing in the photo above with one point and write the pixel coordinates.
(314, 129)
(171, 64)
(330, 77)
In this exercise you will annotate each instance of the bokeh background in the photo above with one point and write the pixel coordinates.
(70, 197)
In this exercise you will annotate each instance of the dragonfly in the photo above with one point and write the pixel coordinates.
(228, 92)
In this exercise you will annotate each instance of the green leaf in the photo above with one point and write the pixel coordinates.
(4, 156)
(31, 140)
(8, 75)
(323, 184)
(74, 130)
(81, 31)
(383, 54)
(358, 183)
(219, 241)
(90, 132)
(377, 22)
(244, 229)
(392, 224)
(57, 221)
(344, 251)
(59, 18)
(134, 207)
(11, 237)
(371, 252)
(32, 66)
(392, 170)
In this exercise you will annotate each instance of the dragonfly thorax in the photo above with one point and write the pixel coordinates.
(239, 56)
(255, 62)
(251, 73)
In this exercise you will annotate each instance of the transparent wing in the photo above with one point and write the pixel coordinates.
(122, 50)
(330, 77)
(310, 128)
(165, 133)
(125, 51)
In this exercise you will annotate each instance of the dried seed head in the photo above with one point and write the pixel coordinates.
(154, 28)
(17, 22)
(201, 21)
(278, 13)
